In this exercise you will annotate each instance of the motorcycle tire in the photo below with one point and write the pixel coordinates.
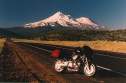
(89, 70)
(57, 66)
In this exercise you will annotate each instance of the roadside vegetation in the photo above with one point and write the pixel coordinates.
(102, 39)
(1, 44)
(65, 34)
(113, 46)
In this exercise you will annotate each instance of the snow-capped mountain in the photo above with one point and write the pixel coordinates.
(63, 20)
(86, 21)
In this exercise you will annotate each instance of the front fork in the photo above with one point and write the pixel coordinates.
(86, 61)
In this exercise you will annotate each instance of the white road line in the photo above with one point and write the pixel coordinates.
(111, 56)
(39, 48)
(104, 68)
(111, 70)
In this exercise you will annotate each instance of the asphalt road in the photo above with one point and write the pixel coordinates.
(111, 66)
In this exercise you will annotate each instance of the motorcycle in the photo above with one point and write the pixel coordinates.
(76, 63)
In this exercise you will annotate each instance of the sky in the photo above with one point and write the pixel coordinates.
(111, 13)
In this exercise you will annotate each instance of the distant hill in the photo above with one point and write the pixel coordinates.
(7, 33)
(63, 33)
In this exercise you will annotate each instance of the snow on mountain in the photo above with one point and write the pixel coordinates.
(63, 20)
(86, 21)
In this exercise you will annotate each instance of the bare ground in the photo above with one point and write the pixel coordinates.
(12, 69)
(18, 65)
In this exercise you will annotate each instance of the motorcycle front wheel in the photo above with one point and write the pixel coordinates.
(58, 66)
(89, 70)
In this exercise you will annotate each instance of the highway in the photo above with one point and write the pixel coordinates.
(111, 67)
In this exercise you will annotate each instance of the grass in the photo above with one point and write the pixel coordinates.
(113, 46)
(1, 44)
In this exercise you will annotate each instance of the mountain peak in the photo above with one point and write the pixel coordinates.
(63, 20)
(58, 13)
(85, 20)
